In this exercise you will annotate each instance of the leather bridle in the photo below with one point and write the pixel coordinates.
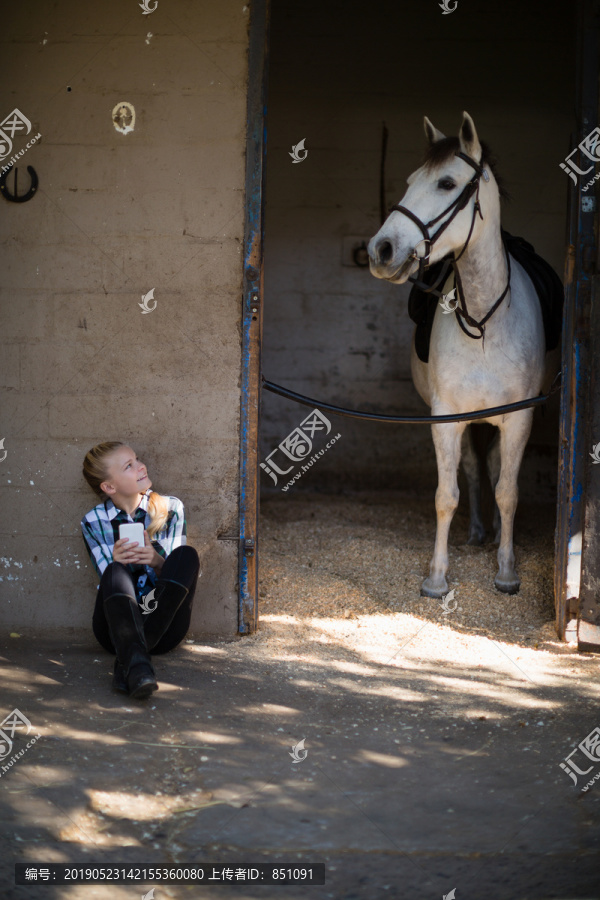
(472, 187)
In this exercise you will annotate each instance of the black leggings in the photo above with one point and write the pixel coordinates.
(181, 565)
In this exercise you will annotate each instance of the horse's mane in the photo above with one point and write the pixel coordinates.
(442, 152)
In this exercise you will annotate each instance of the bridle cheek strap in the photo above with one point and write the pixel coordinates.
(456, 206)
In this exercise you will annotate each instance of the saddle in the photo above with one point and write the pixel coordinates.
(548, 286)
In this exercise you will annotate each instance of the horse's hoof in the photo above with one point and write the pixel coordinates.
(436, 593)
(508, 587)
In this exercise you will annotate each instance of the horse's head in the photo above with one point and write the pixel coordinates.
(440, 203)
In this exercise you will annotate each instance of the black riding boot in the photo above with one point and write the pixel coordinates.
(119, 681)
(127, 634)
(168, 596)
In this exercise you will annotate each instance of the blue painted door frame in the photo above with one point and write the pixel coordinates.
(580, 352)
(252, 305)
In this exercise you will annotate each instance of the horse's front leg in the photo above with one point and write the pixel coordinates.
(447, 440)
(514, 433)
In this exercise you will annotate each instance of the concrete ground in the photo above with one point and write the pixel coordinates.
(422, 775)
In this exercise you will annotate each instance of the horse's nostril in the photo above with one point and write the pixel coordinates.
(386, 251)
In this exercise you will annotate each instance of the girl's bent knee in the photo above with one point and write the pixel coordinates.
(186, 551)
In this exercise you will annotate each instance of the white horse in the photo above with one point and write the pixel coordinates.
(496, 363)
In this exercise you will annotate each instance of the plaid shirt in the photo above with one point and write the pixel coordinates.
(100, 528)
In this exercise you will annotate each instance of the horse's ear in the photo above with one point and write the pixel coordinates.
(431, 132)
(467, 136)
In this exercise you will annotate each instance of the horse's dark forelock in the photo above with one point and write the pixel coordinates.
(442, 152)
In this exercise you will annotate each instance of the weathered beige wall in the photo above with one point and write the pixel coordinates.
(117, 215)
(332, 331)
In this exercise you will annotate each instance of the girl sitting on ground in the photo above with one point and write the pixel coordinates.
(126, 621)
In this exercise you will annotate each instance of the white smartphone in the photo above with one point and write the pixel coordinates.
(133, 531)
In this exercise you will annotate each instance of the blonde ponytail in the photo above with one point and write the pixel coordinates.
(94, 472)
(159, 513)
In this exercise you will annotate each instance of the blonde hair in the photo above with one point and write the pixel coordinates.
(94, 472)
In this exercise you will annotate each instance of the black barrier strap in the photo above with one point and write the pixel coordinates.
(456, 417)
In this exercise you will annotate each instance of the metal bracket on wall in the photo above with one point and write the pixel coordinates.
(248, 543)
(588, 204)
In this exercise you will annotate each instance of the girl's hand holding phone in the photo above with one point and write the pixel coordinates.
(124, 551)
(146, 555)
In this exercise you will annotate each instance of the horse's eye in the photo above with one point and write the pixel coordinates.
(446, 184)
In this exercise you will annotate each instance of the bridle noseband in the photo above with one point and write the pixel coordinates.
(456, 206)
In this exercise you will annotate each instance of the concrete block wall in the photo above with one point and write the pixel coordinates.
(333, 331)
(116, 215)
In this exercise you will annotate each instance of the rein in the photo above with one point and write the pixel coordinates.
(463, 310)
(459, 204)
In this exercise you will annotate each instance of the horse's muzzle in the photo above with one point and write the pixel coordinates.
(393, 273)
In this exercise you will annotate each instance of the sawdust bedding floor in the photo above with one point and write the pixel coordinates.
(340, 579)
